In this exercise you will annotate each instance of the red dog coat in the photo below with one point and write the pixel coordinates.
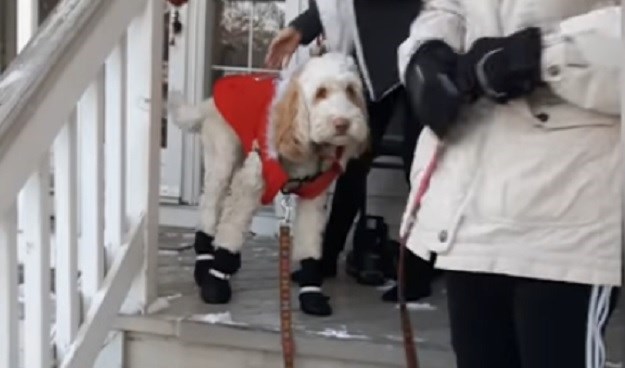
(244, 102)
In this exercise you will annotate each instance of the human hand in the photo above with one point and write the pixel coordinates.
(502, 68)
(282, 47)
(433, 96)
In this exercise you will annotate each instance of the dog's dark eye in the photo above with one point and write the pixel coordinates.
(321, 93)
(351, 90)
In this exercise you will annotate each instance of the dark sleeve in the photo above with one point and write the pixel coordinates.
(308, 23)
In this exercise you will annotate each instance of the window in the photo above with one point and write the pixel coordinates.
(243, 34)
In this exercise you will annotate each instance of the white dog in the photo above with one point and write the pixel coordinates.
(314, 121)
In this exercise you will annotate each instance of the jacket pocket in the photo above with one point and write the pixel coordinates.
(551, 112)
(563, 174)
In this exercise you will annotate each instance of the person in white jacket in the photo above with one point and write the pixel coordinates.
(524, 208)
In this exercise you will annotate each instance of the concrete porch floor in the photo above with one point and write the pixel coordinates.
(362, 326)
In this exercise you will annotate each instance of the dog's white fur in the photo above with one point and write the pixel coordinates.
(233, 183)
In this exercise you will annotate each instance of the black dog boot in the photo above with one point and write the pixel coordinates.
(215, 287)
(311, 299)
(204, 255)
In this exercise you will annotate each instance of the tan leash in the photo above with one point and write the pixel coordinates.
(286, 318)
(412, 360)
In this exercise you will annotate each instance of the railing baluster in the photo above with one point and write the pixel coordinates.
(145, 112)
(27, 21)
(37, 313)
(9, 339)
(65, 182)
(91, 131)
(115, 148)
(98, 232)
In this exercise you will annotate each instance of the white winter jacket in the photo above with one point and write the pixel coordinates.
(531, 188)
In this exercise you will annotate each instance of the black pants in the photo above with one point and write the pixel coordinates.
(508, 322)
(350, 192)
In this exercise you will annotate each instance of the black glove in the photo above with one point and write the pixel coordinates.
(502, 68)
(430, 85)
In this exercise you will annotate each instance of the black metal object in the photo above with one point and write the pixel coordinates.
(391, 146)
(370, 261)
(45, 8)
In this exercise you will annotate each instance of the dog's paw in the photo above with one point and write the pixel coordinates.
(215, 290)
(315, 304)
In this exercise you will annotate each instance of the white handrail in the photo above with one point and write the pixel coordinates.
(60, 61)
(66, 103)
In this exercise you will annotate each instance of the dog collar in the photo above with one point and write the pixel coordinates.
(312, 187)
(277, 180)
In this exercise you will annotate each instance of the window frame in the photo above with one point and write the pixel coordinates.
(249, 68)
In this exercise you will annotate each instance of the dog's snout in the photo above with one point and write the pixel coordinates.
(341, 125)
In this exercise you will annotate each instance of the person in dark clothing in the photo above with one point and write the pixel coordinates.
(380, 26)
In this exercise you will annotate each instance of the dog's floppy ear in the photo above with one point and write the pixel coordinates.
(291, 124)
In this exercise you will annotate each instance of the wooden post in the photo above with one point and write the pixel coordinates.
(195, 69)
(115, 147)
(9, 309)
(171, 176)
(27, 21)
(91, 148)
(65, 198)
(37, 312)
(145, 108)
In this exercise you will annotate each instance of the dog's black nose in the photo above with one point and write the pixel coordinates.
(341, 125)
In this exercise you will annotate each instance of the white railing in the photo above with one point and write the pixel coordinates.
(82, 101)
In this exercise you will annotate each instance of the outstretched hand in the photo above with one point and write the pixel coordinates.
(282, 47)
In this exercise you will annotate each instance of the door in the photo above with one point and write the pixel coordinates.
(217, 38)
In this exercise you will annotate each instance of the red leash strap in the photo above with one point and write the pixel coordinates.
(412, 360)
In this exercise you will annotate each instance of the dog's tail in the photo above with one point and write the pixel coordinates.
(189, 117)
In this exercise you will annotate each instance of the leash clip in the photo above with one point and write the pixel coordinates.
(287, 207)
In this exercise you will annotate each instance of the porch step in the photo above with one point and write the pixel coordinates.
(362, 333)
(195, 344)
